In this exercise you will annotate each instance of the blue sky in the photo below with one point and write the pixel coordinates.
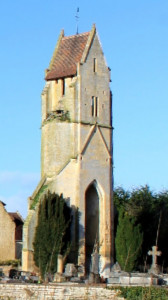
(135, 43)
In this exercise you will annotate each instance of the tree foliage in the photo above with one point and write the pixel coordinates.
(128, 242)
(52, 235)
(148, 210)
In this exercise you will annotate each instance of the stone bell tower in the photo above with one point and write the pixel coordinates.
(76, 145)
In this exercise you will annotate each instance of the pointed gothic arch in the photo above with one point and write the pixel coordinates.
(92, 221)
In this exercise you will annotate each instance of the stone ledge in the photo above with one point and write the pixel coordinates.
(55, 291)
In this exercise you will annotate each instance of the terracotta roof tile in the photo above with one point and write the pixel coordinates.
(69, 53)
(15, 216)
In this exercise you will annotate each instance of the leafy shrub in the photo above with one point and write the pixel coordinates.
(13, 262)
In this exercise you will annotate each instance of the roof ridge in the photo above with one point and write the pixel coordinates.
(89, 42)
(75, 35)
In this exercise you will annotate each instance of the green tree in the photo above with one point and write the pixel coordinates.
(128, 241)
(149, 210)
(141, 206)
(161, 213)
(52, 235)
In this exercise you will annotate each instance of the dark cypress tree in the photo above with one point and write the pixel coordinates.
(128, 242)
(149, 210)
(52, 235)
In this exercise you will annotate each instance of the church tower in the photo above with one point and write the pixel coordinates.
(76, 145)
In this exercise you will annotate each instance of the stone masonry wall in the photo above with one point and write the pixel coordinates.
(51, 292)
(95, 84)
(7, 237)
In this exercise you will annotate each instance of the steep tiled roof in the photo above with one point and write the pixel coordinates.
(69, 53)
(15, 216)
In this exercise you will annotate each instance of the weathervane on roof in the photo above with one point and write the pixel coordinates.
(77, 19)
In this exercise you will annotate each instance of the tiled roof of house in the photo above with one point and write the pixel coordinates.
(15, 217)
(68, 54)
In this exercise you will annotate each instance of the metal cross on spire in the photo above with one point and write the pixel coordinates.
(77, 19)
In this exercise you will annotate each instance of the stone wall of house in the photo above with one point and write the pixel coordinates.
(51, 292)
(7, 235)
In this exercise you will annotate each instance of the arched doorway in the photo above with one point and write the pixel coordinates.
(91, 223)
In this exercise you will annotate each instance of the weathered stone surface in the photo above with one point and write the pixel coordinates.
(7, 238)
(70, 270)
(114, 280)
(76, 151)
(138, 279)
(60, 264)
(154, 267)
(59, 278)
(50, 292)
(116, 267)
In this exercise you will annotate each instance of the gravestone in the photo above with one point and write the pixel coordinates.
(70, 271)
(60, 264)
(114, 276)
(95, 263)
(59, 277)
(132, 279)
(94, 276)
(154, 267)
(116, 267)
